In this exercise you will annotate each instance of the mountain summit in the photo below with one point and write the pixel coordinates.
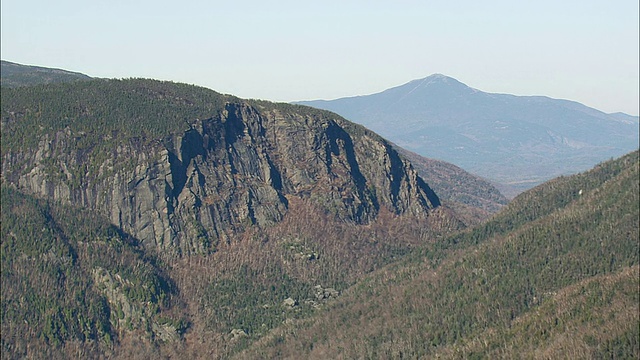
(521, 140)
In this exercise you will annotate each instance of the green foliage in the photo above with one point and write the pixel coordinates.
(23, 75)
(458, 298)
(102, 113)
(551, 237)
(181, 324)
(48, 253)
(623, 346)
(253, 301)
(545, 200)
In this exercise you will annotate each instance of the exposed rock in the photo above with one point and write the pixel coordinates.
(189, 190)
(165, 332)
(312, 303)
(237, 333)
(125, 313)
(302, 251)
(325, 293)
(289, 302)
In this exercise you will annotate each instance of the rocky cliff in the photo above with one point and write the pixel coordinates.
(204, 178)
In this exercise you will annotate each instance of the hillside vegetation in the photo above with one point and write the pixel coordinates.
(247, 213)
(474, 199)
(554, 275)
(104, 109)
(74, 285)
(145, 219)
(14, 75)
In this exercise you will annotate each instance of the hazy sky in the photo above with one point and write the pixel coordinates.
(298, 50)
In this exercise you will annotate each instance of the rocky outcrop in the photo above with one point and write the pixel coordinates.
(127, 314)
(325, 293)
(187, 191)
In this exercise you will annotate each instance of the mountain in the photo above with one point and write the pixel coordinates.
(555, 275)
(147, 219)
(515, 140)
(13, 75)
(625, 117)
(182, 167)
(473, 199)
(144, 219)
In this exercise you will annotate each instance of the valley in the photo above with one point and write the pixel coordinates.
(151, 219)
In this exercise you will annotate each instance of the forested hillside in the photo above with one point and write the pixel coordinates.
(146, 219)
(74, 285)
(238, 215)
(473, 198)
(13, 75)
(554, 275)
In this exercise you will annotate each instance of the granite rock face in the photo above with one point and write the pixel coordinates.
(187, 191)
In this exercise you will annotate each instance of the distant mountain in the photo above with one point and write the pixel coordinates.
(517, 140)
(553, 275)
(473, 198)
(13, 75)
(625, 117)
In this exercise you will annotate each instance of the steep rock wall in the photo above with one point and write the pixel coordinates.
(187, 191)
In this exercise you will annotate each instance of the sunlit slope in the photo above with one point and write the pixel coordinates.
(544, 276)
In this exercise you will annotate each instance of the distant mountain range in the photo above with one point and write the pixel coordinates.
(516, 140)
(23, 75)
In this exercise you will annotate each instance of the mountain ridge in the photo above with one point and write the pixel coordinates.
(148, 219)
(38, 75)
(187, 185)
(506, 138)
(14, 74)
(221, 208)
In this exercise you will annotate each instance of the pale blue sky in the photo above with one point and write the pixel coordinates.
(298, 50)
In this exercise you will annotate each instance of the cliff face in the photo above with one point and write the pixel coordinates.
(236, 169)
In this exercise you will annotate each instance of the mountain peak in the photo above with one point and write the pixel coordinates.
(435, 81)
(431, 88)
(510, 139)
(440, 77)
